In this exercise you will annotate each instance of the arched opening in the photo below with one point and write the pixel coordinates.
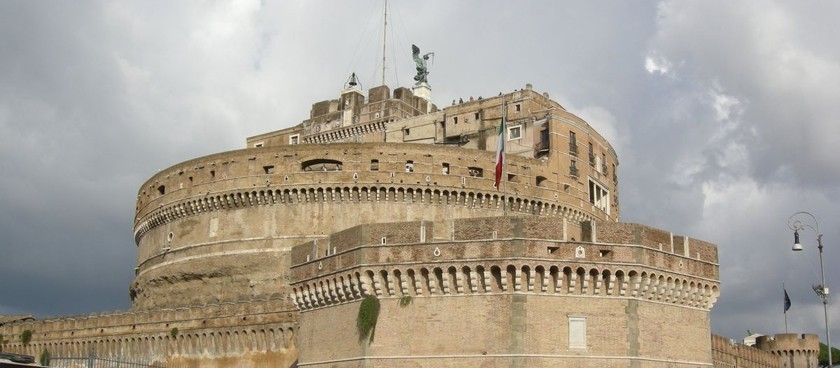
(321, 164)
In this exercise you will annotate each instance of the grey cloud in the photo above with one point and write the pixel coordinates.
(95, 97)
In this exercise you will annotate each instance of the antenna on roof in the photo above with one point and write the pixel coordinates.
(384, 38)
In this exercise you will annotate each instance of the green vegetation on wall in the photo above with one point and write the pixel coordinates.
(44, 359)
(366, 320)
(173, 332)
(26, 337)
(405, 301)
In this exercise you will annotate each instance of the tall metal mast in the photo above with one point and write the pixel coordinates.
(384, 38)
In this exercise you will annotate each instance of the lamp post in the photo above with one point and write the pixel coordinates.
(821, 290)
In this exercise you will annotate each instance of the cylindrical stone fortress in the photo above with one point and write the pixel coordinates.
(219, 228)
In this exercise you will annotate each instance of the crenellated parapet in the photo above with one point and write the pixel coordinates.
(729, 354)
(792, 350)
(227, 330)
(497, 256)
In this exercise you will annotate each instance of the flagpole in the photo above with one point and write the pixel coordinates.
(787, 303)
(504, 161)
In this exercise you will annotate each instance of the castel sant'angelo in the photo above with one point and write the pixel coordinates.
(374, 234)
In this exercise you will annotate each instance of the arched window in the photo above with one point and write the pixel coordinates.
(321, 165)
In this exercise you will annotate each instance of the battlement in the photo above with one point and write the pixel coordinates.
(265, 327)
(649, 237)
(789, 343)
(612, 234)
(727, 353)
(491, 255)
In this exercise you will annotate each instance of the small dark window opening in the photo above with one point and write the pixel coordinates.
(321, 165)
(541, 180)
(374, 165)
(476, 116)
(212, 174)
(476, 172)
(409, 166)
(518, 107)
(269, 169)
(162, 189)
(445, 168)
(455, 120)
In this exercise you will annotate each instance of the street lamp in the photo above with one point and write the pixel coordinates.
(821, 290)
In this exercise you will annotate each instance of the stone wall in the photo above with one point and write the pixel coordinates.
(792, 350)
(254, 334)
(502, 288)
(779, 351)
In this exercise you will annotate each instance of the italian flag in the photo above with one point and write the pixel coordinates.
(500, 154)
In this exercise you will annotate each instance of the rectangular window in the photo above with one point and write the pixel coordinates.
(577, 332)
(573, 143)
(476, 172)
(476, 116)
(455, 120)
(599, 196)
(518, 107)
(269, 169)
(445, 168)
(514, 132)
(573, 170)
(604, 163)
(294, 139)
(258, 145)
(374, 165)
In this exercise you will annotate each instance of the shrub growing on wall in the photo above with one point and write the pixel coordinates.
(44, 359)
(405, 301)
(366, 320)
(26, 337)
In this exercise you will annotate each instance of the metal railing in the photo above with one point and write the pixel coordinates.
(97, 362)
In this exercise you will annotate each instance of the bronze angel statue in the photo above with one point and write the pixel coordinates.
(422, 71)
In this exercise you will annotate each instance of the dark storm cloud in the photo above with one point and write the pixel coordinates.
(722, 116)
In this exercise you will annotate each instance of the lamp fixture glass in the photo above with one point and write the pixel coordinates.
(796, 245)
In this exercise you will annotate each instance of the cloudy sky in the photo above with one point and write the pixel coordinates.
(724, 116)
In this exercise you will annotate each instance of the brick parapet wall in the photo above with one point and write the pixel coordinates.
(630, 233)
(226, 330)
(322, 274)
(779, 351)
(798, 350)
